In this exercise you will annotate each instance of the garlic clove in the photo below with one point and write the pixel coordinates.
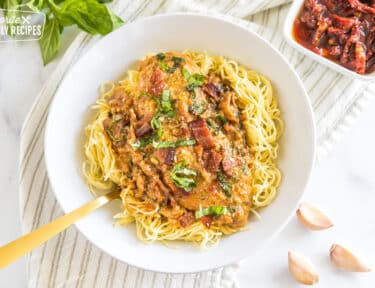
(302, 269)
(346, 260)
(312, 218)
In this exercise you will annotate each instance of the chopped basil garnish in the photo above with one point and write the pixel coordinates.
(177, 61)
(224, 183)
(166, 68)
(194, 80)
(183, 177)
(143, 142)
(165, 108)
(232, 209)
(166, 103)
(222, 119)
(212, 210)
(168, 144)
(160, 56)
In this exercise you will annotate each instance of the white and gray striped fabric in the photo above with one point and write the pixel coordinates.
(69, 260)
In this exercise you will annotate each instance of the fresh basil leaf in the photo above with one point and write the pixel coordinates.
(104, 1)
(89, 15)
(10, 4)
(117, 22)
(182, 176)
(212, 210)
(171, 144)
(50, 41)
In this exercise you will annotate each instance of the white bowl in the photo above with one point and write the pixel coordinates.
(108, 60)
(294, 10)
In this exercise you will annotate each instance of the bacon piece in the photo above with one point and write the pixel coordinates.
(157, 84)
(228, 165)
(201, 133)
(207, 220)
(212, 90)
(212, 161)
(186, 219)
(166, 155)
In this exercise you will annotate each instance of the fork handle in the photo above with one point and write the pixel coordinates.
(21, 246)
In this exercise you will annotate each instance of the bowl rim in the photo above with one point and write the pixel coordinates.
(228, 20)
(294, 9)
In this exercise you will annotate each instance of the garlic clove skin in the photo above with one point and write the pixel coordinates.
(344, 259)
(302, 269)
(312, 218)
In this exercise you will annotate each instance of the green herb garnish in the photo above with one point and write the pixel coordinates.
(194, 80)
(168, 144)
(222, 119)
(177, 61)
(166, 103)
(165, 67)
(212, 210)
(143, 142)
(183, 177)
(160, 56)
(231, 210)
(224, 183)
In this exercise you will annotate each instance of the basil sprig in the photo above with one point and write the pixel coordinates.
(91, 16)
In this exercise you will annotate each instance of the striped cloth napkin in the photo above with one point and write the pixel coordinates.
(69, 260)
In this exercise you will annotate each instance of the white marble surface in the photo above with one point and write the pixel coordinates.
(343, 184)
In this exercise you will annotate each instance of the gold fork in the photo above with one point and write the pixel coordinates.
(21, 246)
